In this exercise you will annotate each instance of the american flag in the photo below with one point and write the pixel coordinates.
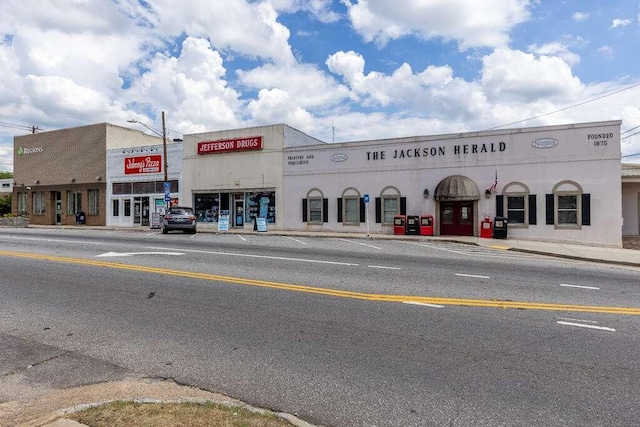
(494, 186)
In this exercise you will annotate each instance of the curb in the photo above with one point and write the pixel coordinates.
(65, 422)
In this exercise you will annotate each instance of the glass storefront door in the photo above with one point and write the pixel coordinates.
(141, 211)
(238, 210)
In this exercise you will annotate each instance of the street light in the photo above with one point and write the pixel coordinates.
(164, 141)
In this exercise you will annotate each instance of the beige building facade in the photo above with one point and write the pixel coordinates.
(60, 176)
(237, 174)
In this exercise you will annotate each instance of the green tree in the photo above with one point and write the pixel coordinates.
(5, 175)
(5, 205)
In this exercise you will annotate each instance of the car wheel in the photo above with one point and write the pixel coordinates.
(165, 231)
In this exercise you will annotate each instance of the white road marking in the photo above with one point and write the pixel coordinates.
(193, 235)
(262, 256)
(358, 243)
(295, 240)
(243, 239)
(600, 328)
(473, 275)
(117, 254)
(423, 304)
(477, 252)
(85, 242)
(435, 247)
(577, 320)
(384, 267)
(577, 286)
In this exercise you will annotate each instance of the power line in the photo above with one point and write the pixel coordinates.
(629, 130)
(33, 129)
(569, 107)
(629, 136)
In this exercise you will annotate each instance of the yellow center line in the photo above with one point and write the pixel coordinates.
(333, 292)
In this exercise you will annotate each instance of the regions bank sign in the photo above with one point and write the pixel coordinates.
(227, 145)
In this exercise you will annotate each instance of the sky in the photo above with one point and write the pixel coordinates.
(341, 70)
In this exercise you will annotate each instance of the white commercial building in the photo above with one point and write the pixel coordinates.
(237, 174)
(135, 181)
(556, 183)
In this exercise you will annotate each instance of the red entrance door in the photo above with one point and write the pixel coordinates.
(456, 218)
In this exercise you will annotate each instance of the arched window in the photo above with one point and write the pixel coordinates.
(517, 203)
(350, 207)
(568, 207)
(388, 205)
(314, 207)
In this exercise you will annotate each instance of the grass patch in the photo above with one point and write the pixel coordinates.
(133, 414)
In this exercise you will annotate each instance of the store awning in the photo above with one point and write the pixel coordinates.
(457, 187)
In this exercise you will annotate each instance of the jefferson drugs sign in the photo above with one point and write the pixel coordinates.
(226, 145)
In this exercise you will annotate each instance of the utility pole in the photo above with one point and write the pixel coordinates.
(164, 148)
(166, 173)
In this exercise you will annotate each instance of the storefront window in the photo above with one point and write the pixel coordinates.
(74, 202)
(207, 207)
(127, 207)
(115, 207)
(261, 204)
(94, 202)
(38, 203)
(22, 203)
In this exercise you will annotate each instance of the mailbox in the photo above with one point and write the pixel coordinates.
(413, 224)
(426, 225)
(399, 223)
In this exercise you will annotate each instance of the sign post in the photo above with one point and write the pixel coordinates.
(366, 207)
(167, 196)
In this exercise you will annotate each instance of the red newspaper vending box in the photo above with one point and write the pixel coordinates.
(399, 224)
(426, 225)
(486, 228)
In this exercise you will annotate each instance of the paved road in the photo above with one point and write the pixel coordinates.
(316, 326)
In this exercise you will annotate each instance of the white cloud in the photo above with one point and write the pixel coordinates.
(479, 23)
(580, 16)
(239, 26)
(515, 76)
(556, 49)
(605, 50)
(620, 23)
(191, 86)
(274, 106)
(306, 85)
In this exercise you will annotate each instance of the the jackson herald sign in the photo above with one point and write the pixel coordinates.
(226, 145)
(143, 164)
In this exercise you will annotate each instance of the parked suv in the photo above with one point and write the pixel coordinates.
(179, 218)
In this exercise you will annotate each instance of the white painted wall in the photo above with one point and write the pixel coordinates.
(241, 170)
(578, 156)
(116, 173)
